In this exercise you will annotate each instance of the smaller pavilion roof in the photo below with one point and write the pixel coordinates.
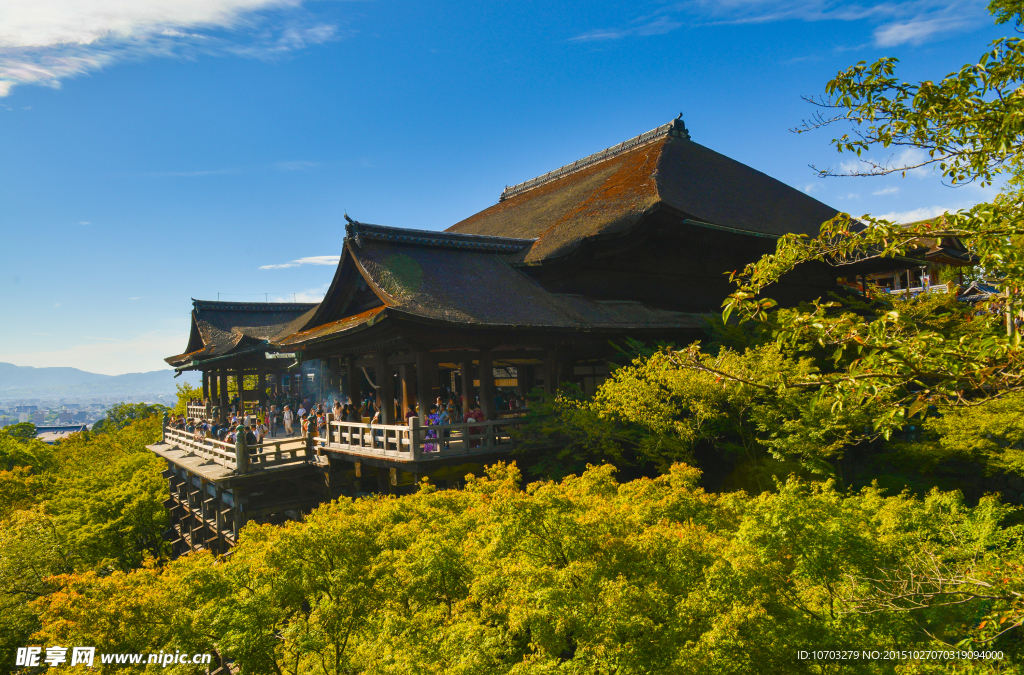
(223, 328)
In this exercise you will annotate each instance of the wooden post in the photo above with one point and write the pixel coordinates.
(414, 438)
(261, 387)
(385, 388)
(224, 394)
(426, 376)
(405, 390)
(206, 386)
(353, 380)
(240, 381)
(524, 380)
(487, 384)
(468, 395)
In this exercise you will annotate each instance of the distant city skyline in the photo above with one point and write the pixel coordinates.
(175, 149)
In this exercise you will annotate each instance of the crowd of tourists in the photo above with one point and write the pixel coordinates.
(294, 416)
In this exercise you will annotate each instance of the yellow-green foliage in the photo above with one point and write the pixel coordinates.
(91, 502)
(581, 576)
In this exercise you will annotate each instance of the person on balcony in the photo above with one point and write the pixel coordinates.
(433, 419)
(475, 415)
(289, 417)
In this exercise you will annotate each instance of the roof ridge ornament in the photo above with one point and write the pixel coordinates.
(674, 129)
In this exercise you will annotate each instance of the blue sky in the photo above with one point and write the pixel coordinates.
(159, 150)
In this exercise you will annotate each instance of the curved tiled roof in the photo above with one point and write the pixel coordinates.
(220, 328)
(608, 193)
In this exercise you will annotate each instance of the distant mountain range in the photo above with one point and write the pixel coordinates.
(27, 382)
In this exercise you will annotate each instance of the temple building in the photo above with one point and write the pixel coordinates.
(636, 241)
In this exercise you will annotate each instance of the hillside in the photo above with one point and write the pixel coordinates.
(29, 382)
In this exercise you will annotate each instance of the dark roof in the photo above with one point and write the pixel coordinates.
(610, 191)
(220, 328)
(441, 277)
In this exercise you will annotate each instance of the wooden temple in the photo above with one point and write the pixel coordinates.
(635, 241)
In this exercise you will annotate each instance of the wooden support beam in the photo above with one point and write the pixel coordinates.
(405, 390)
(206, 386)
(386, 389)
(487, 385)
(261, 387)
(353, 380)
(468, 395)
(223, 393)
(426, 382)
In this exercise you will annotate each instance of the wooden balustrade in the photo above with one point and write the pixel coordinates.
(414, 442)
(266, 454)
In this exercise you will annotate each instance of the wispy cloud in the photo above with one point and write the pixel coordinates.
(84, 222)
(915, 214)
(47, 41)
(311, 260)
(893, 24)
(137, 297)
(891, 190)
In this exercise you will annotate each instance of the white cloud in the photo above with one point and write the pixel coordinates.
(137, 297)
(891, 190)
(46, 41)
(141, 353)
(914, 215)
(85, 222)
(896, 23)
(311, 260)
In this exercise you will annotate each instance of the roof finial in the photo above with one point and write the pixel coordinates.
(349, 219)
(678, 127)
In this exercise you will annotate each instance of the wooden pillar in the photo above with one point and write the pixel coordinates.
(468, 393)
(426, 377)
(551, 371)
(524, 380)
(385, 389)
(353, 380)
(487, 384)
(222, 391)
(240, 382)
(206, 386)
(261, 387)
(405, 390)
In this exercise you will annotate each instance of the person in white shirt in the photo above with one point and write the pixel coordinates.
(302, 411)
(289, 417)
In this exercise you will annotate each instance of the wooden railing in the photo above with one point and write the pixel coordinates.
(413, 442)
(199, 411)
(266, 454)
